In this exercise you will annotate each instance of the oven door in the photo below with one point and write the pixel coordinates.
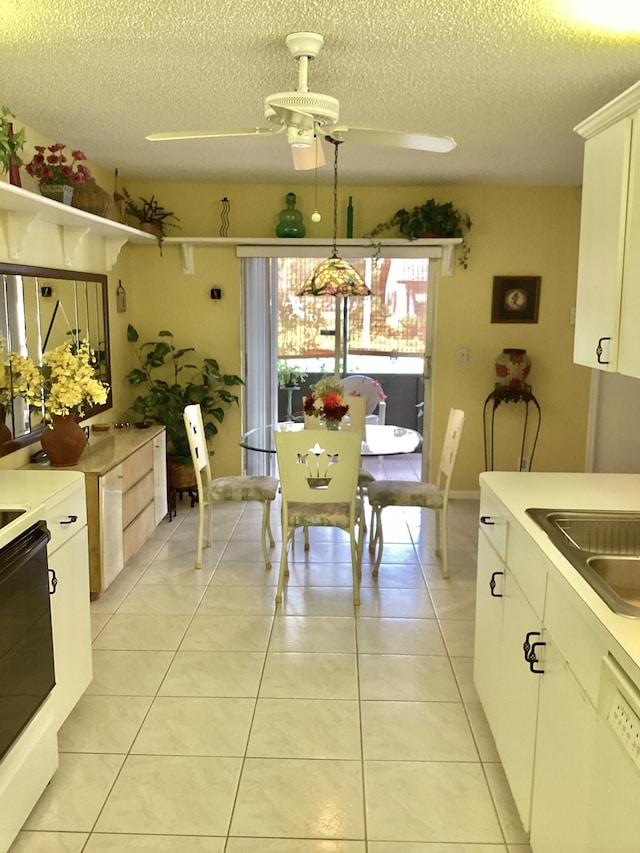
(26, 645)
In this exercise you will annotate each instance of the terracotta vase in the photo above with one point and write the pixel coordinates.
(5, 432)
(512, 369)
(63, 441)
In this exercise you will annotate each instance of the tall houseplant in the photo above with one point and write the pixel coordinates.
(166, 384)
(431, 219)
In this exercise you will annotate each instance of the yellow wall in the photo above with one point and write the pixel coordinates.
(516, 231)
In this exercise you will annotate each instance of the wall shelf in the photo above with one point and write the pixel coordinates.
(20, 208)
(438, 247)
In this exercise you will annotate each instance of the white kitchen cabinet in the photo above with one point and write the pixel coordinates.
(608, 298)
(126, 487)
(488, 630)
(506, 680)
(71, 623)
(515, 723)
(564, 756)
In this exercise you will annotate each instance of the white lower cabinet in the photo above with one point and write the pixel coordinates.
(488, 640)
(564, 754)
(536, 668)
(71, 624)
(514, 728)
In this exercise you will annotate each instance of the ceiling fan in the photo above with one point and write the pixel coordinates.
(307, 116)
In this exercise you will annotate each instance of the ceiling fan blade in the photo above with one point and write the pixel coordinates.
(310, 157)
(392, 138)
(211, 134)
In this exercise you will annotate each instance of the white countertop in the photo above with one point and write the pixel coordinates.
(29, 490)
(520, 491)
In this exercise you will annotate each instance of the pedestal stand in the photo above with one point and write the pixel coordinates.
(500, 395)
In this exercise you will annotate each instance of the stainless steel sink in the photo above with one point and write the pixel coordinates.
(603, 546)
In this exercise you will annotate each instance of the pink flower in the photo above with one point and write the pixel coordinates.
(54, 166)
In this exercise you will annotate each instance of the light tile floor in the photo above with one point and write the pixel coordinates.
(218, 722)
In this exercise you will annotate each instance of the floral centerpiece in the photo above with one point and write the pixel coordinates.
(327, 401)
(54, 172)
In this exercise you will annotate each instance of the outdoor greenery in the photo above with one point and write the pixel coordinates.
(167, 384)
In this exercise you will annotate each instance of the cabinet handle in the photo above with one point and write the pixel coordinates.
(71, 519)
(492, 585)
(486, 519)
(533, 659)
(599, 350)
(529, 650)
(53, 582)
(526, 646)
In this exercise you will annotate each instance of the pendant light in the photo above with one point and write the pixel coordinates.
(335, 276)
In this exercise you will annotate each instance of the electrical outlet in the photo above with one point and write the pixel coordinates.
(525, 462)
(626, 726)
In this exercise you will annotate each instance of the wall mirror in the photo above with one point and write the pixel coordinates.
(41, 308)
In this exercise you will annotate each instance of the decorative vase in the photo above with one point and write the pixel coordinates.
(5, 432)
(91, 198)
(63, 441)
(332, 424)
(14, 167)
(58, 192)
(512, 369)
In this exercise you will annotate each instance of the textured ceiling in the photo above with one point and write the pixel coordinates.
(508, 79)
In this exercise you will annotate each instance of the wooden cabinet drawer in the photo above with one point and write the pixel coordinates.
(138, 532)
(65, 517)
(137, 498)
(137, 465)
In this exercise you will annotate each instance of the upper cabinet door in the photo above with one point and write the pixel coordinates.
(629, 347)
(602, 246)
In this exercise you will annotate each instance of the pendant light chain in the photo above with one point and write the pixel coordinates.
(335, 142)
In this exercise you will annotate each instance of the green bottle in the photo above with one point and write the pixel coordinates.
(290, 224)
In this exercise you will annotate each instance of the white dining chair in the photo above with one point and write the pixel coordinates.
(384, 493)
(319, 481)
(224, 489)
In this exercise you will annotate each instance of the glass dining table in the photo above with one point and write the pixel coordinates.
(380, 439)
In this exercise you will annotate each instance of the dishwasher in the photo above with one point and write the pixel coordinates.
(614, 809)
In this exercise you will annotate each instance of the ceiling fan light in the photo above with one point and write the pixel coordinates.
(335, 277)
(301, 137)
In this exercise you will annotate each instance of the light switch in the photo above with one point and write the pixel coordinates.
(463, 355)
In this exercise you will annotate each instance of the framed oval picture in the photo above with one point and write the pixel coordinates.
(516, 299)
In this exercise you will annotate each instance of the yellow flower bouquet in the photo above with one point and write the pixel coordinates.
(66, 381)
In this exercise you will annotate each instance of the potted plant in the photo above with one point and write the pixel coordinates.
(289, 375)
(57, 176)
(151, 215)
(167, 384)
(431, 219)
(11, 144)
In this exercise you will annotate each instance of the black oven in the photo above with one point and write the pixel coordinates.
(26, 644)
